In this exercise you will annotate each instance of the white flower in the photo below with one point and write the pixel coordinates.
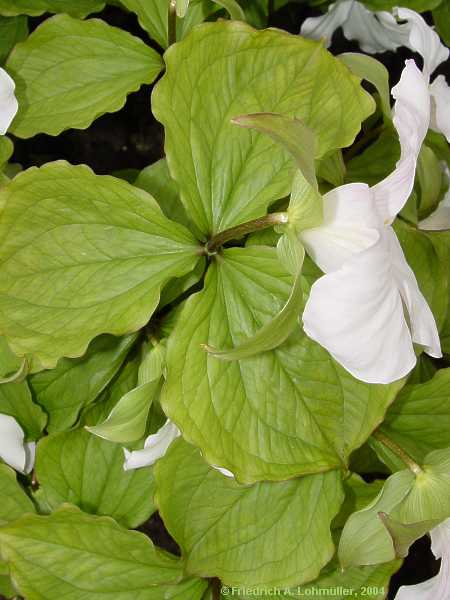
(155, 446)
(440, 218)
(438, 587)
(375, 32)
(368, 310)
(378, 32)
(13, 450)
(8, 102)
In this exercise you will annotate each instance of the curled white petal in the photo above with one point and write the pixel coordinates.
(439, 219)
(376, 32)
(421, 320)
(323, 27)
(349, 226)
(438, 587)
(440, 106)
(13, 450)
(356, 313)
(8, 101)
(225, 472)
(155, 447)
(424, 40)
(411, 120)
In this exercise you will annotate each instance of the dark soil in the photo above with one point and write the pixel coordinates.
(133, 139)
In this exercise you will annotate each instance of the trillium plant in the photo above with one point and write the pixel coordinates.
(225, 366)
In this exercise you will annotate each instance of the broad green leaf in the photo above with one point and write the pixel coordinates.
(332, 168)
(429, 175)
(407, 507)
(373, 71)
(74, 555)
(82, 469)
(34, 8)
(9, 362)
(358, 494)
(375, 162)
(76, 382)
(419, 419)
(232, 410)
(431, 272)
(233, 8)
(16, 401)
(6, 588)
(266, 534)
(417, 5)
(82, 255)
(69, 72)
(222, 70)
(12, 31)
(441, 18)
(333, 583)
(364, 540)
(271, 335)
(13, 500)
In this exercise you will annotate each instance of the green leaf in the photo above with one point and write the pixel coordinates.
(429, 175)
(332, 168)
(85, 470)
(76, 382)
(377, 161)
(16, 401)
(6, 147)
(9, 362)
(373, 71)
(419, 419)
(265, 534)
(364, 540)
(224, 407)
(278, 329)
(441, 18)
(69, 72)
(233, 8)
(14, 501)
(71, 554)
(417, 5)
(404, 535)
(226, 175)
(34, 8)
(12, 31)
(82, 255)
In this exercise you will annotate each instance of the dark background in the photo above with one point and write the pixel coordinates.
(133, 139)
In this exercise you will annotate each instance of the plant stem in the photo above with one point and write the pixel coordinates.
(409, 462)
(234, 233)
(172, 22)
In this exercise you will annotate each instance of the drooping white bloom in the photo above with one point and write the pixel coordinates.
(13, 450)
(8, 102)
(375, 31)
(438, 587)
(378, 32)
(155, 446)
(440, 218)
(357, 310)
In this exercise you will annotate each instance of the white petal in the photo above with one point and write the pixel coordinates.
(438, 587)
(424, 40)
(323, 27)
(411, 119)
(225, 472)
(8, 102)
(375, 32)
(155, 447)
(12, 449)
(422, 323)
(350, 226)
(440, 106)
(356, 313)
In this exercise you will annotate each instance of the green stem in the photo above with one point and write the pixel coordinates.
(172, 22)
(395, 448)
(235, 233)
